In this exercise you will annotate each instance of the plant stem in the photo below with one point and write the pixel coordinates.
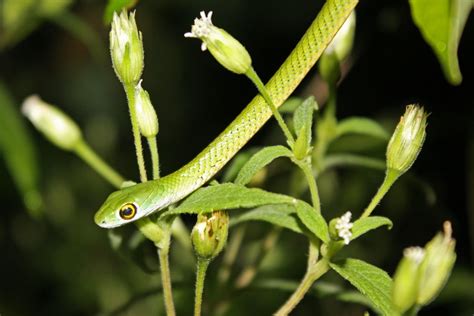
(390, 177)
(252, 75)
(305, 166)
(202, 265)
(130, 91)
(84, 151)
(313, 273)
(155, 158)
(163, 254)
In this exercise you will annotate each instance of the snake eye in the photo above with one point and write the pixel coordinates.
(128, 211)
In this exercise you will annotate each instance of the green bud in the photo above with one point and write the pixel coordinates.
(224, 47)
(407, 140)
(59, 128)
(209, 235)
(437, 265)
(126, 48)
(146, 115)
(341, 44)
(406, 279)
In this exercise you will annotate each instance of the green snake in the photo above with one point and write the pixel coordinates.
(140, 200)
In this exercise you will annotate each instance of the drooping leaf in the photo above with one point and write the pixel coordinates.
(371, 281)
(227, 196)
(259, 161)
(362, 126)
(19, 152)
(441, 23)
(117, 6)
(283, 215)
(363, 225)
(314, 221)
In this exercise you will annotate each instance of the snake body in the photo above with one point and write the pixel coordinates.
(155, 195)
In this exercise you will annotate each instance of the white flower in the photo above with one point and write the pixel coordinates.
(415, 254)
(201, 28)
(343, 227)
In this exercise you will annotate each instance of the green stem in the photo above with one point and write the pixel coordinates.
(130, 91)
(390, 177)
(83, 150)
(252, 75)
(202, 265)
(155, 158)
(310, 277)
(305, 166)
(163, 254)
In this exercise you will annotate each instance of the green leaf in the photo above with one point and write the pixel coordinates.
(371, 281)
(441, 24)
(303, 116)
(290, 105)
(312, 220)
(363, 225)
(234, 166)
(19, 152)
(282, 215)
(336, 160)
(117, 6)
(362, 126)
(259, 161)
(227, 196)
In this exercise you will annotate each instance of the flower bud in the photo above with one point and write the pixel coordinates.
(342, 42)
(126, 48)
(146, 115)
(406, 279)
(437, 265)
(340, 228)
(209, 235)
(225, 48)
(407, 140)
(59, 128)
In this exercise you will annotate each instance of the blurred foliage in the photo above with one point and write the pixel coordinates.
(63, 264)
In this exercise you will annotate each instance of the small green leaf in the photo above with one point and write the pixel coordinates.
(312, 220)
(282, 215)
(290, 105)
(227, 196)
(441, 23)
(117, 6)
(371, 281)
(362, 126)
(19, 152)
(303, 116)
(259, 161)
(363, 225)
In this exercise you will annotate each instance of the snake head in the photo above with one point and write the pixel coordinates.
(130, 204)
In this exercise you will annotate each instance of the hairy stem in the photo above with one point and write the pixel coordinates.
(155, 158)
(130, 91)
(252, 75)
(163, 254)
(84, 151)
(390, 177)
(307, 169)
(202, 265)
(313, 273)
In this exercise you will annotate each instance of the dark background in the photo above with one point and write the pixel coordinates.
(62, 263)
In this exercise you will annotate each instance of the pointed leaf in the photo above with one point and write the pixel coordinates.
(362, 126)
(227, 196)
(259, 161)
(303, 117)
(233, 167)
(18, 150)
(371, 281)
(312, 220)
(441, 23)
(363, 225)
(283, 215)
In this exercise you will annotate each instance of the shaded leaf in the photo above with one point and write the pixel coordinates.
(283, 215)
(441, 23)
(362, 126)
(370, 280)
(117, 6)
(227, 196)
(312, 220)
(363, 225)
(259, 161)
(19, 152)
